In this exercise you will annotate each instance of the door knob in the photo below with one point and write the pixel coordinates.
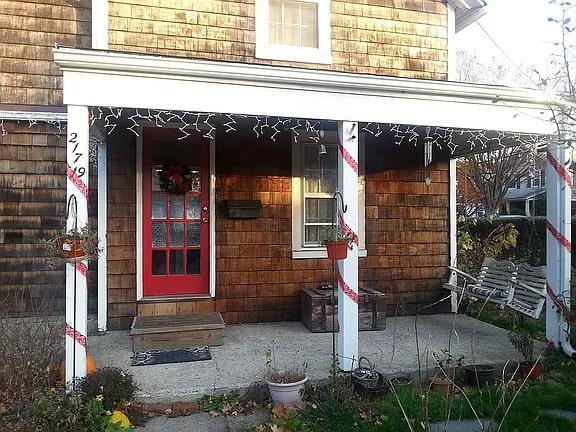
(205, 219)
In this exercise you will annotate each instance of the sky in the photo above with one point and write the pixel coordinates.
(520, 28)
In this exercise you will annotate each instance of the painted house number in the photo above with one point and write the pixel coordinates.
(76, 155)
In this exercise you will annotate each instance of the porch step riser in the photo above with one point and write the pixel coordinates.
(186, 339)
(170, 332)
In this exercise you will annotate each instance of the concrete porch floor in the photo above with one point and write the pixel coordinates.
(239, 362)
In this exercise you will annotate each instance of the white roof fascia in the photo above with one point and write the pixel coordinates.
(103, 78)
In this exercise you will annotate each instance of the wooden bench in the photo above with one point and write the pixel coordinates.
(522, 288)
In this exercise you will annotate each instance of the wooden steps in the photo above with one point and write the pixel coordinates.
(177, 331)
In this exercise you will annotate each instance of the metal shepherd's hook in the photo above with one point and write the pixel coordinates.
(72, 202)
(72, 209)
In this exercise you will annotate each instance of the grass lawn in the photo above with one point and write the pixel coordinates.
(339, 411)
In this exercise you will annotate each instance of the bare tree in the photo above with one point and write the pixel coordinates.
(485, 178)
(492, 173)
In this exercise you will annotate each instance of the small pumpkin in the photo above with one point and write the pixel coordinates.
(90, 367)
(119, 418)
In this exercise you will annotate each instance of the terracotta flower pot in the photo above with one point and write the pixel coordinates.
(72, 249)
(337, 250)
(532, 374)
(441, 385)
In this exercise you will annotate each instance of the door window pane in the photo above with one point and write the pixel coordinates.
(156, 169)
(159, 262)
(176, 262)
(192, 207)
(177, 234)
(193, 261)
(196, 184)
(158, 206)
(193, 234)
(176, 206)
(158, 234)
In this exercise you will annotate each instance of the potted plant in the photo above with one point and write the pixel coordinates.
(336, 243)
(443, 379)
(479, 375)
(524, 344)
(286, 385)
(73, 245)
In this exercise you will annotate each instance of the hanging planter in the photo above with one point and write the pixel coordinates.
(73, 245)
(176, 178)
(337, 244)
(337, 250)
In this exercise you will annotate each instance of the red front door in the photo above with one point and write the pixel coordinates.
(175, 231)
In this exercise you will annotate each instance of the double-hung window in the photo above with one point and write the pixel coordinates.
(314, 182)
(293, 30)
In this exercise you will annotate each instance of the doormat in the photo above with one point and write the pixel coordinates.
(162, 356)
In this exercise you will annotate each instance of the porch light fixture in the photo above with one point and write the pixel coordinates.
(322, 150)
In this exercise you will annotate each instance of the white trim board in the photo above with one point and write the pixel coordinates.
(33, 116)
(101, 78)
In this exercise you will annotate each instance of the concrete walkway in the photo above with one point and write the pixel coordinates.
(240, 361)
(203, 422)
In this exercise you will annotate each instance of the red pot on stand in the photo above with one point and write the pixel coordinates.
(337, 250)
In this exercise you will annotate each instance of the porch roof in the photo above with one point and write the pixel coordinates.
(107, 78)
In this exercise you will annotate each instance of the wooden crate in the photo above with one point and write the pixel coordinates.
(177, 331)
(318, 307)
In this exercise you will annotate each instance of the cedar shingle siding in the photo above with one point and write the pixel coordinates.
(257, 280)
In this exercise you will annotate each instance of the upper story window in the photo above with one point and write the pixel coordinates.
(293, 30)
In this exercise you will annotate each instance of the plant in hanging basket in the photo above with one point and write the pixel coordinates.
(286, 385)
(336, 243)
(73, 245)
(176, 178)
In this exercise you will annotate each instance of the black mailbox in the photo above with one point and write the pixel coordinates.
(243, 209)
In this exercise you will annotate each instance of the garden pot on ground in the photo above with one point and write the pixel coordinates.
(479, 375)
(337, 250)
(286, 394)
(442, 385)
(531, 373)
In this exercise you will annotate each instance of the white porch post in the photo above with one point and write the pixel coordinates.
(348, 269)
(558, 243)
(453, 233)
(102, 234)
(76, 273)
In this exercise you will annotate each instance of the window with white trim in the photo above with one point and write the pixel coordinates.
(314, 182)
(293, 30)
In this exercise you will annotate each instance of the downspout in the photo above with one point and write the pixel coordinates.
(100, 24)
(100, 41)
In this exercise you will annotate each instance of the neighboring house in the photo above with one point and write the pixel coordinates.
(264, 69)
(527, 197)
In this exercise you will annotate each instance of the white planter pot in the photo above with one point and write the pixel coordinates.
(286, 394)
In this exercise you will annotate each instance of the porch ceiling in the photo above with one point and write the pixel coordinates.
(106, 78)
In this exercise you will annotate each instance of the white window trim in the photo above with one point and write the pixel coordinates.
(298, 250)
(266, 50)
